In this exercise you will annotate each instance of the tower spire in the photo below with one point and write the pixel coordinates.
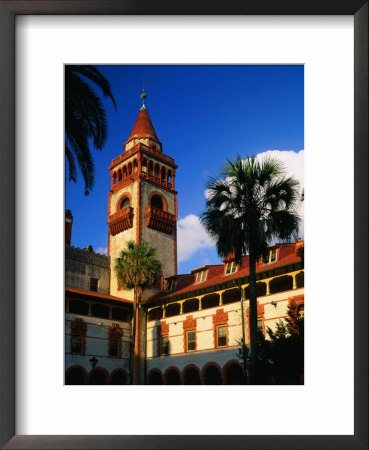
(143, 95)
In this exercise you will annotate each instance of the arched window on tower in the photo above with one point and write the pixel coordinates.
(119, 175)
(114, 178)
(169, 174)
(135, 165)
(163, 174)
(144, 166)
(124, 203)
(156, 202)
(125, 172)
(129, 169)
(157, 171)
(151, 168)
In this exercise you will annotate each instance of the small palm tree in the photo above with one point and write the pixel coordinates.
(250, 205)
(85, 120)
(137, 268)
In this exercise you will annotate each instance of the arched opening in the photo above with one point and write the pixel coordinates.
(97, 377)
(281, 284)
(260, 290)
(114, 178)
(151, 168)
(300, 280)
(120, 314)
(212, 375)
(100, 310)
(172, 377)
(78, 307)
(157, 171)
(156, 314)
(191, 305)
(119, 377)
(154, 378)
(156, 202)
(169, 175)
(129, 169)
(125, 172)
(119, 175)
(135, 165)
(231, 295)
(173, 309)
(75, 376)
(163, 175)
(234, 374)
(144, 166)
(191, 376)
(125, 202)
(210, 301)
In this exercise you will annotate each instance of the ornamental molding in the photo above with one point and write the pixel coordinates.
(220, 317)
(189, 323)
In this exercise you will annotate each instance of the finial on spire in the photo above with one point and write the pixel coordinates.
(143, 95)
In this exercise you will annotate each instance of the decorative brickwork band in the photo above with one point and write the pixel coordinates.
(121, 220)
(220, 317)
(189, 323)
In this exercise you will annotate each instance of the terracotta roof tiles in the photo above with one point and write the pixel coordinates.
(143, 126)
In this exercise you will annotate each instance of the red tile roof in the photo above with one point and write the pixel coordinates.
(96, 295)
(216, 273)
(143, 126)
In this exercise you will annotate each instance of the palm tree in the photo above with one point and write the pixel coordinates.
(137, 268)
(85, 120)
(250, 205)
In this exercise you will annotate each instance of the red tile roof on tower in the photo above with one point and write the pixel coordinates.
(143, 126)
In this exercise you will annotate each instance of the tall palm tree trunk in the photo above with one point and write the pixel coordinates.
(133, 338)
(253, 319)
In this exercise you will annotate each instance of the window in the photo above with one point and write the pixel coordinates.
(231, 267)
(113, 347)
(201, 276)
(124, 203)
(222, 336)
(76, 342)
(115, 341)
(172, 284)
(271, 257)
(94, 284)
(157, 202)
(191, 341)
(260, 325)
(164, 345)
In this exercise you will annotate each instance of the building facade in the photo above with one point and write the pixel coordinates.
(189, 326)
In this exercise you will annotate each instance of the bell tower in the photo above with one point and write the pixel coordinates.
(142, 202)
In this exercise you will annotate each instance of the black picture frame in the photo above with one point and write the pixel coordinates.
(8, 12)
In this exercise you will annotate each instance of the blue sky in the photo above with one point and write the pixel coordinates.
(203, 115)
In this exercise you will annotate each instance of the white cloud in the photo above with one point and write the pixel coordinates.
(192, 237)
(102, 250)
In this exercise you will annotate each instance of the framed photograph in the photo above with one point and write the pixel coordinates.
(294, 69)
